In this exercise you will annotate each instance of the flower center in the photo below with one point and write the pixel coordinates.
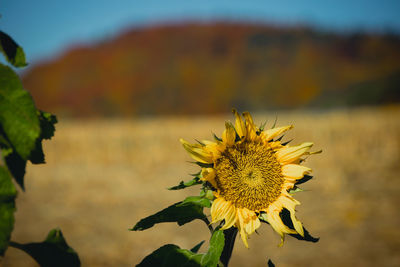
(249, 175)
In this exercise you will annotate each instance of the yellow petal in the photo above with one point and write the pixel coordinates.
(230, 218)
(239, 125)
(295, 171)
(214, 148)
(208, 174)
(247, 223)
(290, 154)
(274, 132)
(220, 209)
(252, 225)
(241, 226)
(250, 127)
(276, 223)
(229, 134)
(197, 152)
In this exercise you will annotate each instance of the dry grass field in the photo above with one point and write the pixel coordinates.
(102, 176)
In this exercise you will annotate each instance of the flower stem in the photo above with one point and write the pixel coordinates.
(230, 236)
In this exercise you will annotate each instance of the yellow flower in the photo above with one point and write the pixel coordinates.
(252, 174)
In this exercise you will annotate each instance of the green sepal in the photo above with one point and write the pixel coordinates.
(270, 263)
(217, 138)
(180, 212)
(262, 126)
(304, 179)
(295, 189)
(12, 51)
(53, 251)
(205, 165)
(7, 208)
(285, 216)
(306, 237)
(171, 255)
(195, 181)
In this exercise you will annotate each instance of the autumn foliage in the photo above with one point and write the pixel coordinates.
(207, 68)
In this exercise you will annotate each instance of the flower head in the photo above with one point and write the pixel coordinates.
(251, 173)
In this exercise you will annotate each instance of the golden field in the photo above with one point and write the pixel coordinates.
(102, 176)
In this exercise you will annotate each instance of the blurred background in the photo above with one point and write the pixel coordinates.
(128, 79)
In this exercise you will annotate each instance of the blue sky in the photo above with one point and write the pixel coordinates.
(45, 28)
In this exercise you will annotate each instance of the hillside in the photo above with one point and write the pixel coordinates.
(209, 68)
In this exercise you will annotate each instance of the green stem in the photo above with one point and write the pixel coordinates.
(230, 236)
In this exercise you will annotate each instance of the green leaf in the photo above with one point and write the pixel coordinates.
(182, 184)
(18, 116)
(7, 208)
(171, 255)
(196, 200)
(180, 212)
(12, 51)
(211, 258)
(54, 251)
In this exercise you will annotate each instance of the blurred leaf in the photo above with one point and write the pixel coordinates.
(18, 115)
(182, 184)
(47, 121)
(12, 51)
(172, 256)
(7, 208)
(54, 251)
(197, 200)
(180, 212)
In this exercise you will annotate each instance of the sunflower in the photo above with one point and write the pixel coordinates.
(251, 173)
